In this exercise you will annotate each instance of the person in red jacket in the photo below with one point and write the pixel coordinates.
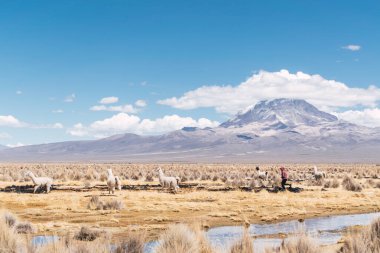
(284, 177)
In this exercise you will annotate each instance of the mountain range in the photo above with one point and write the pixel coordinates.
(280, 130)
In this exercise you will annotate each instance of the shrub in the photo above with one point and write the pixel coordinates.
(331, 183)
(350, 184)
(25, 228)
(366, 242)
(180, 238)
(10, 219)
(134, 243)
(96, 203)
(10, 241)
(113, 205)
(244, 245)
(85, 234)
(300, 244)
(149, 178)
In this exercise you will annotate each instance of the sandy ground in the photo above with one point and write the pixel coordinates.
(61, 212)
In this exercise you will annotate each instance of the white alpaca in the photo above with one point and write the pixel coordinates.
(168, 182)
(262, 174)
(40, 181)
(318, 174)
(113, 182)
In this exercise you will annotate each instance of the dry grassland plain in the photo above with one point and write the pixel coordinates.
(215, 197)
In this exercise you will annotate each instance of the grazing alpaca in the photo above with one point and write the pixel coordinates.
(318, 174)
(167, 182)
(40, 181)
(262, 174)
(113, 182)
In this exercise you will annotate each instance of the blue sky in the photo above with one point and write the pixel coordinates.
(157, 50)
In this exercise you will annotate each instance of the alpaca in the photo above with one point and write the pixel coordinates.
(262, 174)
(318, 174)
(113, 182)
(167, 182)
(40, 181)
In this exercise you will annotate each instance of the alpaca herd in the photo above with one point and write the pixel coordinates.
(166, 182)
(113, 182)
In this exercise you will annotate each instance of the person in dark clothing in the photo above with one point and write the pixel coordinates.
(284, 177)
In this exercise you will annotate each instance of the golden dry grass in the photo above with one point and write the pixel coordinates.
(152, 211)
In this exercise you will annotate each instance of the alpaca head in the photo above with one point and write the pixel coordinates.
(29, 174)
(315, 168)
(159, 170)
(109, 171)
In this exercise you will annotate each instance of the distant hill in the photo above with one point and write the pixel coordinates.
(280, 130)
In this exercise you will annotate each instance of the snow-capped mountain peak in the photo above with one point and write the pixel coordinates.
(288, 112)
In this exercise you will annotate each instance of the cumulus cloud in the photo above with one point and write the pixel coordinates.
(125, 123)
(352, 47)
(140, 103)
(116, 108)
(10, 121)
(325, 94)
(70, 98)
(58, 111)
(78, 130)
(109, 100)
(367, 117)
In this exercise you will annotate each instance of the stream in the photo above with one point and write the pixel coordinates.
(325, 230)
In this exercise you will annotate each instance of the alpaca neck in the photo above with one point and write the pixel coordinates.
(31, 175)
(161, 174)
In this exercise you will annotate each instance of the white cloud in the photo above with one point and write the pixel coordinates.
(140, 103)
(325, 94)
(18, 92)
(16, 145)
(116, 108)
(70, 98)
(10, 121)
(58, 111)
(78, 130)
(367, 117)
(352, 47)
(124, 123)
(109, 100)
(57, 125)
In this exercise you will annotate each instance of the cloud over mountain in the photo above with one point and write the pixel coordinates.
(329, 95)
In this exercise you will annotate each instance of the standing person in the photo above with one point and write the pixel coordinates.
(284, 177)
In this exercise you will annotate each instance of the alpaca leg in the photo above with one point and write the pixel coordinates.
(35, 188)
(48, 188)
(113, 189)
